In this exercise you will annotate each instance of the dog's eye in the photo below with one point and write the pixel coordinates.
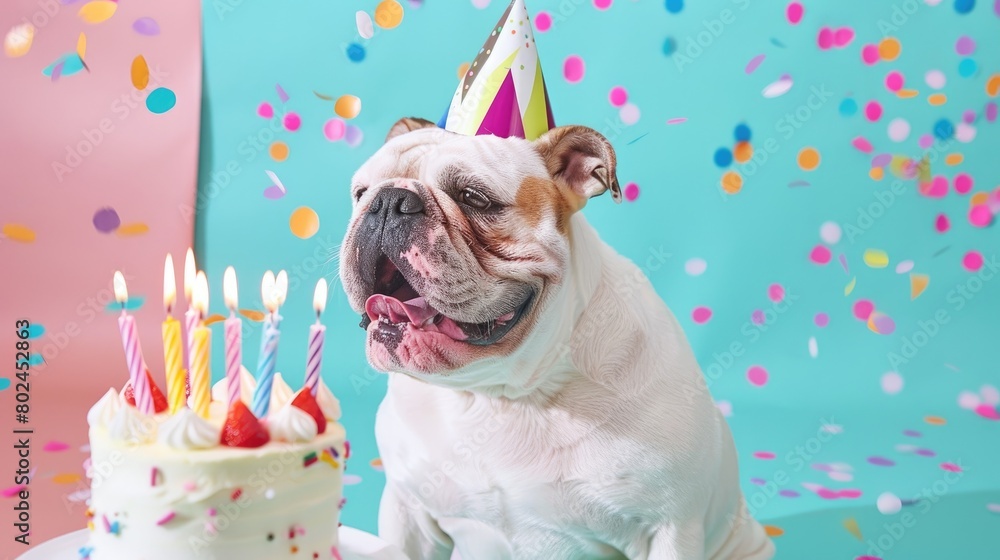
(359, 193)
(474, 199)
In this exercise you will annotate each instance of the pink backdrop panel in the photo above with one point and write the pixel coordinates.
(70, 147)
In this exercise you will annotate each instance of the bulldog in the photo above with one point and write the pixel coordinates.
(542, 400)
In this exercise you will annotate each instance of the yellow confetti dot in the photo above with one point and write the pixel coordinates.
(304, 222)
(918, 283)
(851, 525)
(850, 286)
(773, 531)
(993, 85)
(130, 230)
(937, 99)
(876, 173)
(81, 45)
(388, 14)
(18, 232)
(935, 420)
(743, 152)
(808, 159)
(278, 151)
(954, 159)
(463, 69)
(97, 11)
(18, 40)
(876, 258)
(140, 72)
(889, 48)
(347, 106)
(66, 478)
(732, 182)
(907, 93)
(979, 198)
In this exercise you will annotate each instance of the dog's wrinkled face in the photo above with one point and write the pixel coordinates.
(457, 242)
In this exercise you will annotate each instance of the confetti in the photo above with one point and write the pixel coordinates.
(808, 159)
(732, 182)
(852, 527)
(778, 88)
(388, 14)
(133, 229)
(365, 26)
(888, 503)
(754, 63)
(918, 283)
(97, 11)
(574, 69)
(892, 383)
(631, 192)
(55, 446)
(757, 376)
(278, 151)
(701, 315)
(106, 220)
(146, 26)
(347, 106)
(695, 266)
(876, 258)
(304, 222)
(160, 100)
(18, 40)
(334, 129)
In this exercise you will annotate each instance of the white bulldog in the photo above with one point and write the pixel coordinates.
(543, 402)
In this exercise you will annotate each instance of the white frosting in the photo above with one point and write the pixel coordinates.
(130, 426)
(328, 403)
(187, 430)
(104, 409)
(292, 424)
(220, 391)
(281, 393)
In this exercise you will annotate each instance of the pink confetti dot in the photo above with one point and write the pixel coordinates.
(873, 111)
(863, 145)
(963, 183)
(925, 141)
(631, 192)
(881, 461)
(603, 4)
(265, 110)
(894, 81)
(941, 223)
(573, 69)
(843, 37)
(543, 21)
(758, 317)
(951, 467)
(980, 215)
(820, 255)
(821, 320)
(701, 315)
(869, 54)
(764, 455)
(618, 96)
(881, 323)
(988, 411)
(334, 129)
(754, 63)
(965, 45)
(757, 376)
(825, 38)
(776, 292)
(794, 12)
(292, 122)
(937, 188)
(991, 112)
(863, 309)
(969, 116)
(55, 446)
(972, 261)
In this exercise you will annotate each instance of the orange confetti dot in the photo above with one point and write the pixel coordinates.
(937, 99)
(935, 420)
(954, 159)
(852, 527)
(808, 159)
(97, 11)
(66, 478)
(993, 85)
(304, 222)
(140, 72)
(918, 283)
(131, 230)
(376, 463)
(979, 198)
(18, 40)
(743, 152)
(889, 48)
(463, 69)
(18, 232)
(773, 531)
(81, 45)
(732, 182)
(347, 106)
(278, 151)
(212, 319)
(876, 173)
(907, 93)
(388, 14)
(252, 314)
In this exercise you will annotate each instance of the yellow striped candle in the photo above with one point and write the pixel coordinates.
(172, 350)
(201, 389)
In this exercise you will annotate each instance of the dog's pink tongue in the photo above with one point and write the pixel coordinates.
(416, 310)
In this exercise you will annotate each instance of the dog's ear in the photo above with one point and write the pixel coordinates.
(407, 124)
(580, 159)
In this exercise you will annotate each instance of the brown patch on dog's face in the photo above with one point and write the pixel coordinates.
(538, 198)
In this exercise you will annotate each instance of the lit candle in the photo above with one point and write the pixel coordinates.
(133, 352)
(201, 349)
(314, 358)
(271, 296)
(190, 316)
(172, 348)
(234, 334)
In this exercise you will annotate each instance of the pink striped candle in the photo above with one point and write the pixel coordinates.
(191, 317)
(317, 333)
(133, 352)
(234, 335)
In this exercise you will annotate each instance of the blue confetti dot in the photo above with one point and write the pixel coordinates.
(848, 107)
(742, 133)
(4, 383)
(943, 129)
(36, 359)
(723, 157)
(669, 46)
(161, 100)
(675, 6)
(72, 63)
(964, 6)
(355, 52)
(35, 330)
(967, 68)
(133, 303)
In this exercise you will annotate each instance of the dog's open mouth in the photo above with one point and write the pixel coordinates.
(396, 306)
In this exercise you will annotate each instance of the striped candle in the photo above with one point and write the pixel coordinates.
(317, 332)
(234, 336)
(133, 352)
(200, 351)
(266, 365)
(172, 348)
(191, 318)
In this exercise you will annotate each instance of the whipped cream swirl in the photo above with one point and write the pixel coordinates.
(328, 403)
(292, 424)
(132, 427)
(104, 409)
(281, 393)
(220, 391)
(187, 430)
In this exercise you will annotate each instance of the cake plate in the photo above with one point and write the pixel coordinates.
(354, 545)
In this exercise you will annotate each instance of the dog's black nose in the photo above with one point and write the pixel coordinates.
(399, 202)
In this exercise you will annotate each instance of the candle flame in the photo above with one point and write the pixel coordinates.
(200, 294)
(121, 291)
(229, 292)
(190, 275)
(319, 296)
(169, 284)
(281, 287)
(267, 292)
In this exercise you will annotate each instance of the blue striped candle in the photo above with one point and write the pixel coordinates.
(266, 364)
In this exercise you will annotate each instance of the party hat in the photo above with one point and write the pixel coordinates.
(503, 92)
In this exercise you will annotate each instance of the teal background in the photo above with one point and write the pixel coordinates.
(760, 236)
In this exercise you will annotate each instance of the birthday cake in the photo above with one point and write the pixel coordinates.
(235, 471)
